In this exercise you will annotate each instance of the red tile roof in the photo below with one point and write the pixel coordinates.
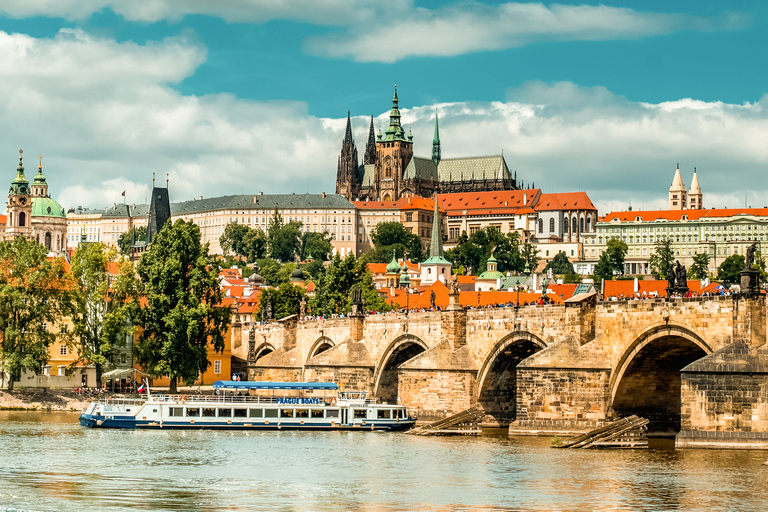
(675, 215)
(564, 201)
(466, 299)
(511, 199)
(3, 219)
(655, 287)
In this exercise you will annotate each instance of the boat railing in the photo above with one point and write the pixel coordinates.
(248, 399)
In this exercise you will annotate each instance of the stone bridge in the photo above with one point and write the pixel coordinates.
(698, 365)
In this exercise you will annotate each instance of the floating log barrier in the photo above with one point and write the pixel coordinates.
(465, 423)
(629, 432)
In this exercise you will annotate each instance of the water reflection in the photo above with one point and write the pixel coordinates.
(51, 463)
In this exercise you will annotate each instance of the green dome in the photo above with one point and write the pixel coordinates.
(393, 266)
(19, 185)
(47, 207)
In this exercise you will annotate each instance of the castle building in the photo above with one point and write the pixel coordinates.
(390, 171)
(32, 213)
(682, 199)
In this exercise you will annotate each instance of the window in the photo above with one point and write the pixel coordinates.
(62, 371)
(384, 414)
(193, 412)
(256, 413)
(331, 413)
(225, 413)
(176, 412)
(270, 413)
(574, 225)
(217, 366)
(361, 413)
(581, 224)
(409, 217)
(286, 413)
(541, 225)
(240, 413)
(302, 413)
(552, 225)
(209, 412)
(63, 328)
(317, 413)
(63, 350)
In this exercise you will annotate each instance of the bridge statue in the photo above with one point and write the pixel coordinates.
(358, 304)
(750, 259)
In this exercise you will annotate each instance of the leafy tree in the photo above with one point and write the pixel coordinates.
(662, 259)
(34, 294)
(314, 270)
(232, 238)
(182, 311)
(604, 267)
(333, 290)
(730, 269)
(102, 308)
(389, 236)
(473, 252)
(255, 244)
(285, 300)
(316, 245)
(759, 265)
(269, 270)
(284, 239)
(130, 237)
(700, 266)
(560, 264)
(616, 250)
(529, 253)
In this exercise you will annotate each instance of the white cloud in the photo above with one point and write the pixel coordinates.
(103, 116)
(468, 27)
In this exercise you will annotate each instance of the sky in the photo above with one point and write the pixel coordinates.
(249, 96)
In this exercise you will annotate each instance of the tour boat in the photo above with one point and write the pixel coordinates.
(246, 405)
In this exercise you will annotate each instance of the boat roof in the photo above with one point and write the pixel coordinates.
(236, 384)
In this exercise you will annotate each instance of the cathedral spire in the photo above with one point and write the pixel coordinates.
(436, 244)
(395, 130)
(436, 143)
(370, 147)
(348, 135)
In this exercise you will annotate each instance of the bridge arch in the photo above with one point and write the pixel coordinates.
(646, 380)
(262, 350)
(497, 377)
(400, 350)
(322, 344)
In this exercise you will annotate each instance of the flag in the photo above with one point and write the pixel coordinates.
(142, 388)
(123, 194)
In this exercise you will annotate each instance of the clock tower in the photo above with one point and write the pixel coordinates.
(393, 151)
(19, 206)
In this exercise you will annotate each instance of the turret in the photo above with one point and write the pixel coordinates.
(677, 192)
(436, 144)
(694, 195)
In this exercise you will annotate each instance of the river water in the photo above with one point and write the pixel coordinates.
(48, 462)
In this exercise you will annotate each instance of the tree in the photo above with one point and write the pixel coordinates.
(255, 244)
(334, 289)
(102, 309)
(662, 259)
(182, 312)
(284, 239)
(316, 245)
(604, 268)
(269, 270)
(285, 300)
(700, 265)
(232, 238)
(759, 265)
(34, 294)
(730, 269)
(130, 237)
(560, 264)
(616, 250)
(474, 251)
(393, 236)
(529, 253)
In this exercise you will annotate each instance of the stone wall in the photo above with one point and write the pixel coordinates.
(433, 395)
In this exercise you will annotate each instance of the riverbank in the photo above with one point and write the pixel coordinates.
(35, 399)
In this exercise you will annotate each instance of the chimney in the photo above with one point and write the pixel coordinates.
(323, 195)
(525, 199)
(635, 286)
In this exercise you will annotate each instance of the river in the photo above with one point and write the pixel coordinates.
(50, 463)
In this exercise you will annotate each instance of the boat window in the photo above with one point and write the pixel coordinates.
(331, 413)
(209, 412)
(256, 413)
(286, 413)
(270, 413)
(193, 411)
(225, 413)
(317, 413)
(302, 413)
(361, 413)
(385, 413)
(401, 413)
(241, 413)
(176, 411)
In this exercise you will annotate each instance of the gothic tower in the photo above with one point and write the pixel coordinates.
(678, 192)
(436, 144)
(695, 196)
(19, 206)
(370, 147)
(394, 152)
(347, 181)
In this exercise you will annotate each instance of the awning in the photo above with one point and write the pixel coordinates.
(121, 373)
(236, 384)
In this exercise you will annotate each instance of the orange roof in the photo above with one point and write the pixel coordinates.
(465, 279)
(419, 203)
(562, 290)
(676, 215)
(656, 287)
(380, 205)
(3, 219)
(466, 299)
(377, 268)
(512, 199)
(564, 201)
(235, 291)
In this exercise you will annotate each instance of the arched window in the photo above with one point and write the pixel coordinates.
(589, 222)
(48, 240)
(565, 226)
(541, 225)
(552, 225)
(22, 219)
(581, 224)
(575, 226)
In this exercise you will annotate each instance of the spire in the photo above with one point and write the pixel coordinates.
(394, 131)
(695, 188)
(436, 244)
(678, 199)
(677, 181)
(695, 197)
(348, 135)
(370, 147)
(436, 143)
(20, 185)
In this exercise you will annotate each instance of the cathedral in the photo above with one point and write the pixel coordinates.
(682, 199)
(389, 171)
(33, 214)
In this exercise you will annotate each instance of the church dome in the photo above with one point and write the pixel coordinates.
(47, 207)
(393, 266)
(297, 274)
(255, 280)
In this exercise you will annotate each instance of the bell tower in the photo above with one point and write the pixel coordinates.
(394, 152)
(19, 205)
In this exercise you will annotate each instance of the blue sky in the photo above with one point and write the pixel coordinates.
(251, 95)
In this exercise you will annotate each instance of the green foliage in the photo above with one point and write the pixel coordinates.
(284, 239)
(730, 269)
(34, 293)
(472, 252)
(616, 250)
(101, 308)
(243, 241)
(560, 264)
(529, 253)
(316, 245)
(183, 309)
(662, 259)
(572, 278)
(285, 300)
(700, 266)
(313, 270)
(332, 295)
(269, 269)
(127, 239)
(393, 236)
(604, 267)
(759, 265)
